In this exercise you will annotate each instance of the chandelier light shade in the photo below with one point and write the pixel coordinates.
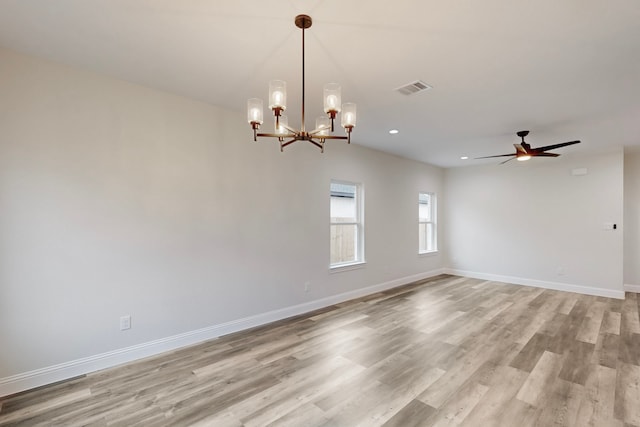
(286, 135)
(349, 115)
(254, 112)
(323, 124)
(332, 100)
(277, 96)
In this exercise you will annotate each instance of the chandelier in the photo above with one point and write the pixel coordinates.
(278, 104)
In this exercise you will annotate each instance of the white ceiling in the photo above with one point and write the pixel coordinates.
(565, 69)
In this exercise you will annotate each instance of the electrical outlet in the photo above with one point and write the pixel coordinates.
(125, 323)
(306, 286)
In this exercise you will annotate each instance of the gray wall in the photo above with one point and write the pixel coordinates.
(117, 199)
(536, 223)
(632, 219)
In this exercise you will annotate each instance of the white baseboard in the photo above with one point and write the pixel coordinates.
(74, 368)
(632, 288)
(588, 290)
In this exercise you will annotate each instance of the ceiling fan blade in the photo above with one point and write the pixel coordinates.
(553, 147)
(499, 155)
(545, 154)
(520, 149)
(508, 160)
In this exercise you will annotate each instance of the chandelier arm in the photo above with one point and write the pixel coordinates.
(317, 144)
(290, 129)
(335, 137)
(277, 135)
(282, 145)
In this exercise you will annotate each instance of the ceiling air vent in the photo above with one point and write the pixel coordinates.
(413, 87)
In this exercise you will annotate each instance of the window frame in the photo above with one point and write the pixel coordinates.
(359, 223)
(432, 222)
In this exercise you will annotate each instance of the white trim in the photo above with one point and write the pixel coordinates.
(428, 253)
(337, 268)
(359, 223)
(566, 287)
(632, 288)
(433, 211)
(74, 368)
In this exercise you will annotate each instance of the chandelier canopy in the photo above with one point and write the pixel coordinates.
(278, 104)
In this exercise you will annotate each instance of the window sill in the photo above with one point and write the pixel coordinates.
(347, 267)
(428, 253)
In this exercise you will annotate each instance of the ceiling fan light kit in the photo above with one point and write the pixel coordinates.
(525, 152)
(278, 104)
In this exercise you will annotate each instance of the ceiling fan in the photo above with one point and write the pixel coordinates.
(524, 151)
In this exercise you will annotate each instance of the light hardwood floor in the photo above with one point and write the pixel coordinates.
(442, 352)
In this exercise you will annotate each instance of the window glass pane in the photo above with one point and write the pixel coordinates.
(343, 203)
(424, 207)
(426, 238)
(346, 245)
(424, 198)
(424, 212)
(344, 190)
(422, 237)
(426, 222)
(343, 243)
(430, 237)
(343, 209)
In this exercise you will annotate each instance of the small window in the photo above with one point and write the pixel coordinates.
(427, 223)
(347, 231)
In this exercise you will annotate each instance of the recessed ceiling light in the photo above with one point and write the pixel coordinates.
(393, 131)
(464, 158)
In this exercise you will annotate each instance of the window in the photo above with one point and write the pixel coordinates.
(426, 223)
(347, 231)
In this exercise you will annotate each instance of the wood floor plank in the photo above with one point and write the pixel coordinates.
(528, 357)
(561, 404)
(630, 323)
(456, 410)
(541, 378)
(513, 412)
(463, 327)
(606, 351)
(368, 402)
(29, 411)
(532, 328)
(565, 337)
(414, 414)
(577, 362)
(500, 395)
(567, 304)
(627, 394)
(294, 391)
(441, 351)
(590, 328)
(443, 389)
(629, 348)
(597, 408)
(553, 325)
(611, 323)
(307, 415)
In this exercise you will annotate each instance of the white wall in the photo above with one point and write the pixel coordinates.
(117, 199)
(535, 223)
(632, 219)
